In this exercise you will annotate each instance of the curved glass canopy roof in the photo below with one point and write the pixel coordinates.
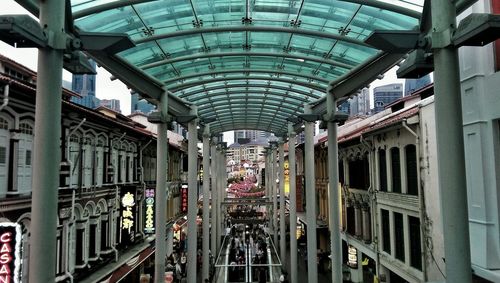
(249, 64)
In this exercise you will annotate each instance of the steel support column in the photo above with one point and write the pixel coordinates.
(192, 201)
(213, 195)
(293, 203)
(206, 200)
(450, 144)
(170, 241)
(333, 185)
(312, 266)
(268, 174)
(42, 263)
(220, 217)
(161, 193)
(275, 194)
(222, 190)
(282, 202)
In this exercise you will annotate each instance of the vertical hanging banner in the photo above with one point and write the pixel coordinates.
(149, 202)
(127, 215)
(287, 178)
(10, 252)
(184, 198)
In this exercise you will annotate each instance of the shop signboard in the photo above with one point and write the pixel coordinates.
(287, 178)
(184, 198)
(127, 214)
(352, 258)
(149, 203)
(299, 194)
(10, 252)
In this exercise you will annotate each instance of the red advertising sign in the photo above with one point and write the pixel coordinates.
(184, 198)
(299, 193)
(10, 252)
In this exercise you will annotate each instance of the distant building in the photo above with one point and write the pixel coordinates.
(386, 94)
(85, 86)
(140, 105)
(345, 107)
(364, 102)
(113, 104)
(250, 134)
(412, 85)
(360, 103)
(250, 151)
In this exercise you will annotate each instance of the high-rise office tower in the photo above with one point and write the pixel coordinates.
(140, 105)
(386, 94)
(412, 85)
(113, 104)
(85, 86)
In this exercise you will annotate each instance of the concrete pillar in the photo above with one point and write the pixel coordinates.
(213, 194)
(450, 144)
(192, 201)
(161, 192)
(282, 202)
(206, 201)
(312, 266)
(367, 233)
(42, 263)
(358, 221)
(333, 184)
(293, 203)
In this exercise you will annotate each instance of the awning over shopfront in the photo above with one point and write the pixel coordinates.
(127, 262)
(129, 266)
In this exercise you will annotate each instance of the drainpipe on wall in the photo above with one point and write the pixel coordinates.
(422, 214)
(5, 97)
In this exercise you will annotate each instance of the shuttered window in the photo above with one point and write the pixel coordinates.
(395, 170)
(411, 169)
(399, 236)
(386, 231)
(382, 170)
(415, 242)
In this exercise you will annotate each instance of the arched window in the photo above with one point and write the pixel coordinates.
(93, 233)
(105, 240)
(24, 159)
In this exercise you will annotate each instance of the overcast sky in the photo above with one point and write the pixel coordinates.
(105, 88)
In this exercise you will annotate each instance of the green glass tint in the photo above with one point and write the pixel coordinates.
(252, 63)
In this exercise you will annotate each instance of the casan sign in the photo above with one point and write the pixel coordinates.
(10, 252)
